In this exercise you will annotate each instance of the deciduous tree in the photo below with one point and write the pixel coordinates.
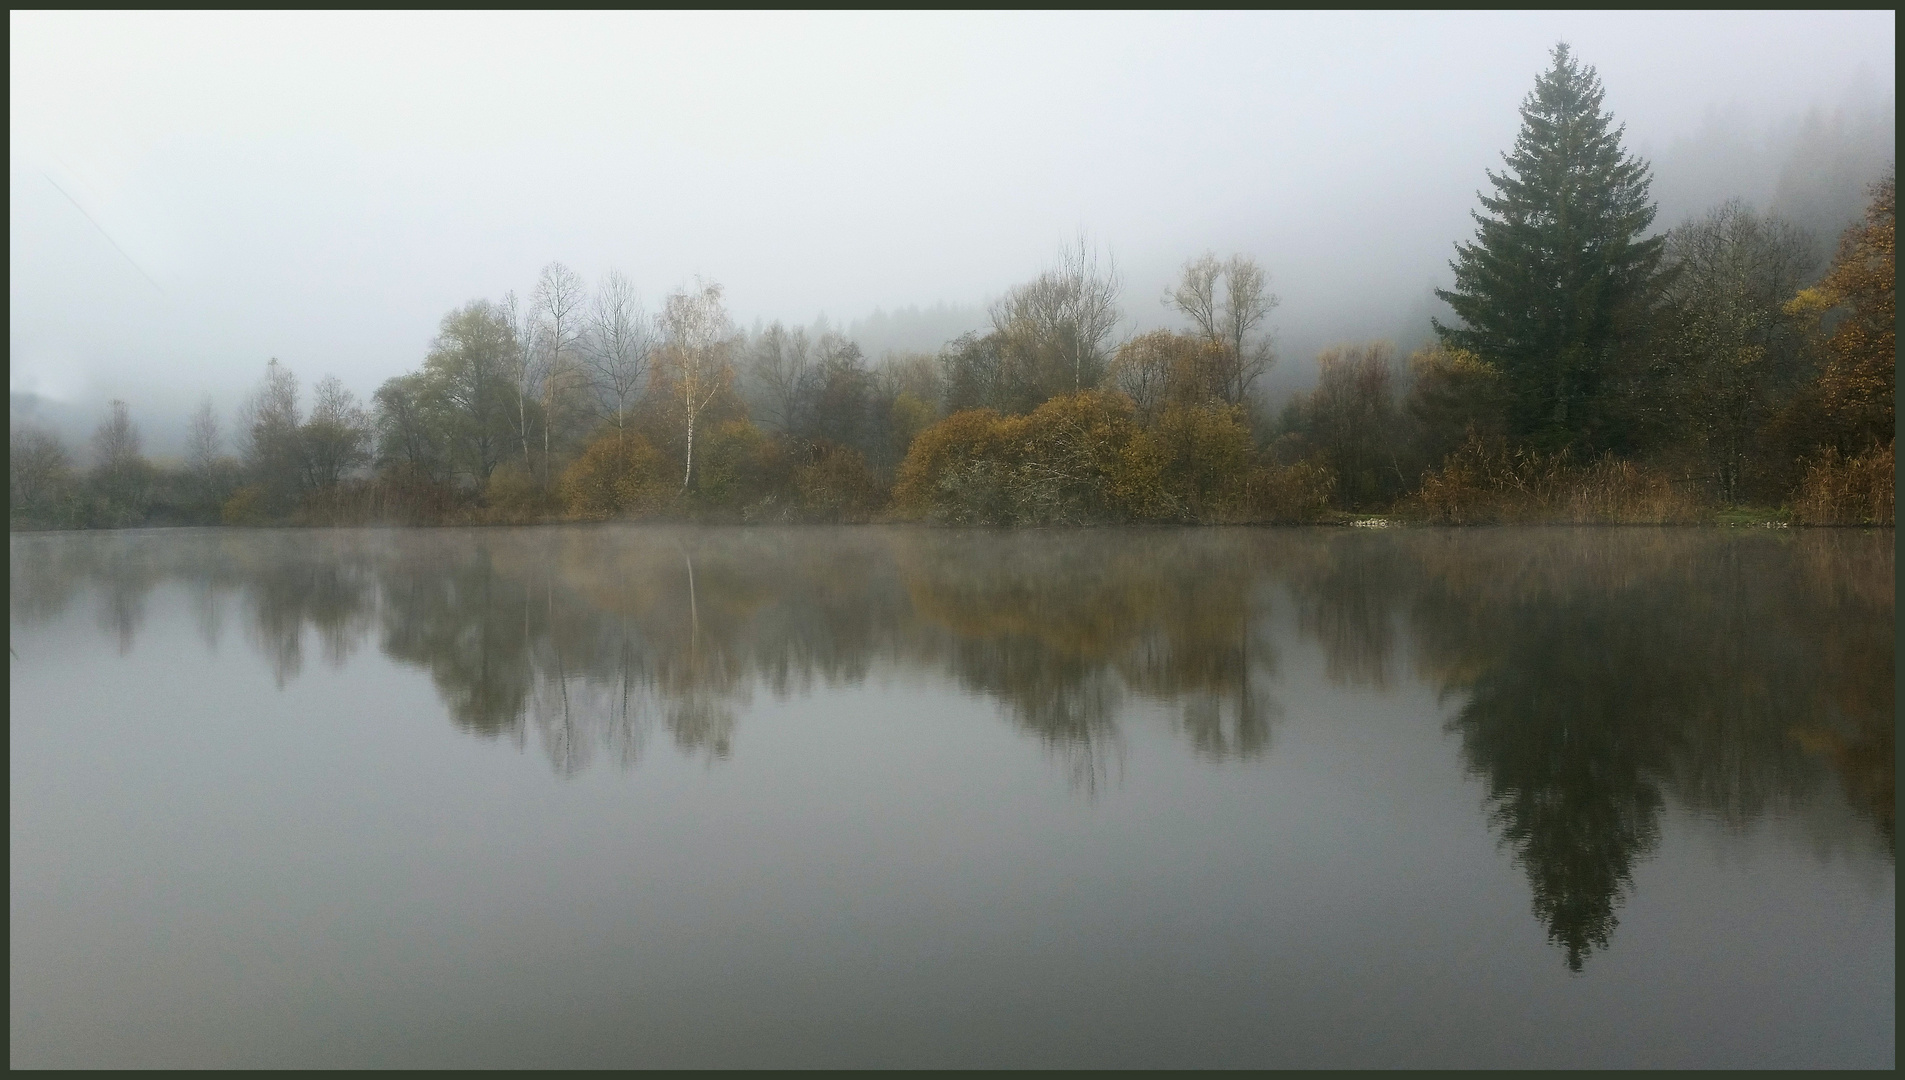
(121, 478)
(1729, 356)
(337, 437)
(695, 364)
(1858, 385)
(616, 349)
(473, 374)
(1230, 316)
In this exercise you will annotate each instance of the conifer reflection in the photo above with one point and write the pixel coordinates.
(1601, 678)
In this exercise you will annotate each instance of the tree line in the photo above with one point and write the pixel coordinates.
(1594, 370)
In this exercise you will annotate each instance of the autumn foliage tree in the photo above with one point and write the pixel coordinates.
(1165, 368)
(1856, 308)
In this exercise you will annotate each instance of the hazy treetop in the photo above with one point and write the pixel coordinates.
(194, 193)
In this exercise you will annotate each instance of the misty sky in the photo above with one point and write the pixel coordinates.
(192, 194)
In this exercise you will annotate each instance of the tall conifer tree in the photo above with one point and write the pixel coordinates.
(1557, 259)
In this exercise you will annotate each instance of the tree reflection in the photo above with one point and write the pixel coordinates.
(1595, 677)
(1062, 630)
(328, 586)
(1598, 680)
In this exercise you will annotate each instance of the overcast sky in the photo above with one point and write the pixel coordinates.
(192, 194)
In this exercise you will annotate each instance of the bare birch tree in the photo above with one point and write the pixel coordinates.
(271, 434)
(520, 363)
(119, 471)
(1054, 331)
(697, 339)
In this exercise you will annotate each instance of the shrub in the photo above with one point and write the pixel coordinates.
(1288, 494)
(738, 466)
(1205, 462)
(513, 495)
(936, 478)
(837, 486)
(1078, 458)
(617, 474)
(1075, 463)
(247, 506)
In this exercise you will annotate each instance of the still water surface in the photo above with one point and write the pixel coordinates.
(887, 796)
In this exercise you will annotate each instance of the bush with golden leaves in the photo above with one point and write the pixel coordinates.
(619, 474)
(512, 495)
(1083, 458)
(1858, 386)
(249, 505)
(939, 462)
(1205, 463)
(1077, 459)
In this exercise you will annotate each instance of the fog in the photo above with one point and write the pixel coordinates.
(193, 194)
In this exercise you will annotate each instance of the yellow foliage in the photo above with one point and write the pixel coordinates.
(951, 446)
(1078, 458)
(1859, 385)
(618, 474)
(1810, 303)
(1206, 458)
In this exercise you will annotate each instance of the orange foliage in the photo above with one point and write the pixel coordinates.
(1859, 382)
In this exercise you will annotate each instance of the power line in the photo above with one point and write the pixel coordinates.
(104, 233)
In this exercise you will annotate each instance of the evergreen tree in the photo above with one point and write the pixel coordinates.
(1557, 260)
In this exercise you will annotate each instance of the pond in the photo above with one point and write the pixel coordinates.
(643, 795)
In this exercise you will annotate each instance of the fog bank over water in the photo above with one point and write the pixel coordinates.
(191, 195)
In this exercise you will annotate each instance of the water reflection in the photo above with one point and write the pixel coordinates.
(1592, 677)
